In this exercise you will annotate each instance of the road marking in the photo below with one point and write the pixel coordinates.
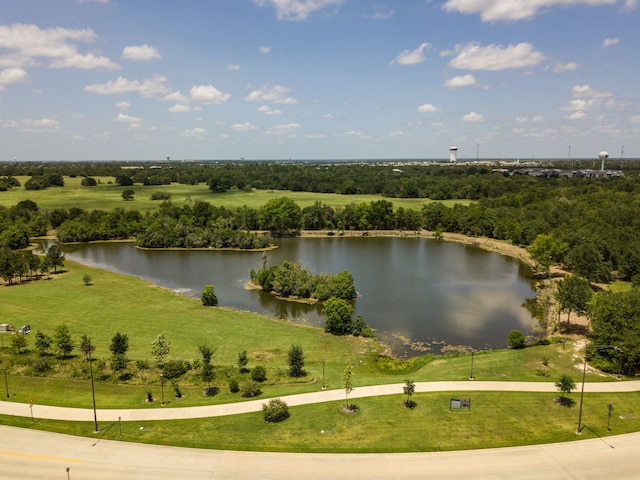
(5, 453)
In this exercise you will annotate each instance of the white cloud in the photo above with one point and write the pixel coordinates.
(208, 94)
(327, 116)
(315, 136)
(195, 132)
(127, 119)
(509, 10)
(537, 118)
(140, 53)
(267, 110)
(29, 44)
(123, 105)
(412, 57)
(233, 67)
(473, 117)
(297, 9)
(381, 13)
(577, 116)
(427, 107)
(271, 94)
(148, 88)
(283, 129)
(578, 105)
(39, 125)
(176, 97)
(179, 108)
(565, 67)
(12, 75)
(588, 92)
(608, 42)
(264, 50)
(244, 127)
(522, 120)
(472, 56)
(467, 80)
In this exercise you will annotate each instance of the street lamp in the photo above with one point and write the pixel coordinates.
(324, 386)
(93, 395)
(584, 372)
(162, 387)
(6, 383)
(471, 373)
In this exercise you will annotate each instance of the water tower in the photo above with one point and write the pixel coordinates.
(453, 151)
(603, 156)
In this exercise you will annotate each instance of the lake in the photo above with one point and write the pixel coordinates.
(418, 293)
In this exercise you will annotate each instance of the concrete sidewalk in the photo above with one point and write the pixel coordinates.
(172, 412)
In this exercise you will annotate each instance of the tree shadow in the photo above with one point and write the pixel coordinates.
(564, 401)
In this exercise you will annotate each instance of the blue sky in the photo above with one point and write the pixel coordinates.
(318, 79)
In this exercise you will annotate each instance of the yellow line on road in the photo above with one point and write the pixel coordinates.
(4, 453)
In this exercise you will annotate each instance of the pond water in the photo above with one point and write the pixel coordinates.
(418, 293)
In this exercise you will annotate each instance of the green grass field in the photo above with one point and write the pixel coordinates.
(107, 195)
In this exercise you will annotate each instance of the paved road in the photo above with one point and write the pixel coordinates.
(30, 454)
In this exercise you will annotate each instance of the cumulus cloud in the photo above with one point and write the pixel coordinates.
(233, 67)
(508, 10)
(194, 132)
(123, 105)
(208, 94)
(412, 57)
(29, 45)
(381, 12)
(12, 75)
(297, 9)
(148, 88)
(427, 107)
(244, 127)
(127, 119)
(267, 110)
(472, 56)
(473, 117)
(467, 80)
(179, 108)
(565, 67)
(608, 42)
(264, 50)
(140, 53)
(271, 94)
(580, 115)
(39, 125)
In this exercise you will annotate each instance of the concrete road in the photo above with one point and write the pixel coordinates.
(29, 454)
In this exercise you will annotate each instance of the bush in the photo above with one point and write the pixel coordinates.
(275, 411)
(516, 339)
(142, 364)
(160, 196)
(173, 369)
(209, 298)
(259, 374)
(233, 386)
(250, 390)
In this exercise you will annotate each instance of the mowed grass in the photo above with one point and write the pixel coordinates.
(107, 195)
(381, 424)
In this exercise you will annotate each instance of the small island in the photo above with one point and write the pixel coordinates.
(290, 280)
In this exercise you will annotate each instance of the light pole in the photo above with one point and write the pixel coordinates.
(93, 395)
(324, 386)
(6, 383)
(471, 373)
(584, 372)
(162, 387)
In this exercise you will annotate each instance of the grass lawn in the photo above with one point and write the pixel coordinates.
(107, 195)
(381, 424)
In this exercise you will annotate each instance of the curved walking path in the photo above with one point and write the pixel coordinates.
(31, 454)
(173, 412)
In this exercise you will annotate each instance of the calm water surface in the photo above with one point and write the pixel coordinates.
(417, 293)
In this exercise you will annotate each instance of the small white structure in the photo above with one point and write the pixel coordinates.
(603, 156)
(453, 152)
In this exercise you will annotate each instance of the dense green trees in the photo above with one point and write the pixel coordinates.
(290, 279)
(573, 295)
(208, 297)
(295, 359)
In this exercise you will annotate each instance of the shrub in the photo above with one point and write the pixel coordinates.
(160, 196)
(173, 369)
(40, 365)
(142, 364)
(149, 396)
(176, 389)
(516, 339)
(209, 298)
(233, 386)
(259, 374)
(250, 390)
(275, 411)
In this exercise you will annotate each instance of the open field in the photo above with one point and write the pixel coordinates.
(107, 195)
